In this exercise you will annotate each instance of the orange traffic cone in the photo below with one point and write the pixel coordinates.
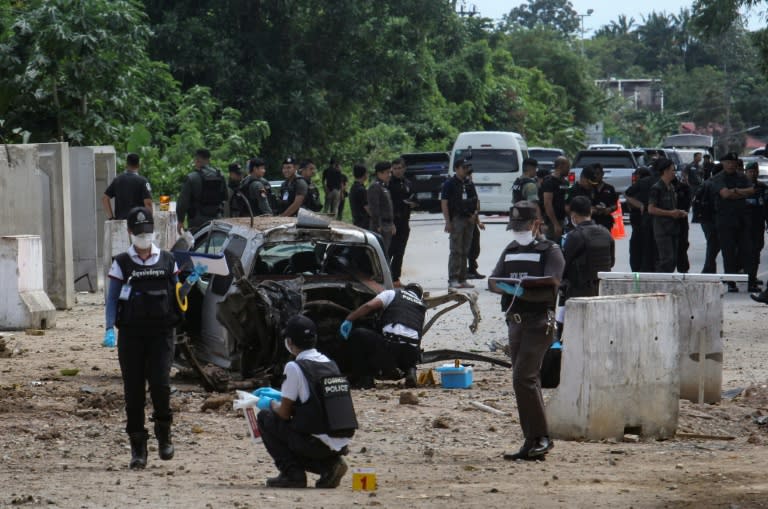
(617, 232)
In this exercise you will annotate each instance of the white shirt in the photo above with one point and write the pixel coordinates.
(296, 388)
(398, 329)
(115, 272)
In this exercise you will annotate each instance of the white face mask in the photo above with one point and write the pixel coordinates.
(143, 240)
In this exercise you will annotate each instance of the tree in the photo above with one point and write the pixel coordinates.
(75, 70)
(557, 15)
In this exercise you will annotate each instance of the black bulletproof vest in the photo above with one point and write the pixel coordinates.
(287, 194)
(329, 409)
(517, 188)
(212, 191)
(312, 199)
(595, 258)
(407, 309)
(529, 260)
(152, 300)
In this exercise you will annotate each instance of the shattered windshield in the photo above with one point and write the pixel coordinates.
(317, 258)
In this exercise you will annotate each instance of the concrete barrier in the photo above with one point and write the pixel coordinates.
(619, 369)
(699, 316)
(23, 302)
(116, 240)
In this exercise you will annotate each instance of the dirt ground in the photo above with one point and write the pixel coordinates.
(62, 442)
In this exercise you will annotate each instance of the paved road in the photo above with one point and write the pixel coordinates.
(426, 257)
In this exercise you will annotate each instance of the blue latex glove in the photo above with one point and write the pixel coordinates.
(109, 338)
(198, 271)
(515, 290)
(269, 392)
(345, 329)
(556, 346)
(264, 403)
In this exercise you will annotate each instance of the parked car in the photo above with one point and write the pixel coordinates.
(605, 146)
(618, 167)
(427, 171)
(281, 266)
(545, 156)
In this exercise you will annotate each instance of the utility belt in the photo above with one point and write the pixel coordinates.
(402, 339)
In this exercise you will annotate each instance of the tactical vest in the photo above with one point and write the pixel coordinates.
(329, 409)
(596, 257)
(151, 303)
(312, 199)
(408, 310)
(518, 186)
(529, 260)
(287, 194)
(212, 192)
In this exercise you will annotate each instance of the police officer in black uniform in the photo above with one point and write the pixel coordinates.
(731, 219)
(534, 268)
(757, 210)
(400, 192)
(552, 198)
(307, 425)
(142, 303)
(396, 347)
(307, 170)
(358, 197)
(129, 189)
(236, 202)
(460, 205)
(588, 249)
(257, 189)
(662, 205)
(684, 198)
(203, 193)
(642, 248)
(293, 191)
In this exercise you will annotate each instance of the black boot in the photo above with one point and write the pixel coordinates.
(163, 435)
(410, 378)
(760, 297)
(138, 449)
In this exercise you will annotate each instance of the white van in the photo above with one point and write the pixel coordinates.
(497, 161)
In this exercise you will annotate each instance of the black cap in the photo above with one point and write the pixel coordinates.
(730, 156)
(301, 330)
(522, 211)
(236, 168)
(289, 160)
(140, 221)
(751, 166)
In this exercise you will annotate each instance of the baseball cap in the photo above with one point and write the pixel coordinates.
(522, 211)
(751, 166)
(301, 330)
(140, 221)
(461, 161)
(289, 160)
(730, 156)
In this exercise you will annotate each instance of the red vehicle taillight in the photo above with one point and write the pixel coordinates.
(572, 177)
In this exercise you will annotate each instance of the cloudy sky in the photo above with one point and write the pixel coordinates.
(605, 11)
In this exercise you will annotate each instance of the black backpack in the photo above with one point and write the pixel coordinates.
(213, 191)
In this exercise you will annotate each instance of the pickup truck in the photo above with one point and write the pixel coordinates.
(618, 167)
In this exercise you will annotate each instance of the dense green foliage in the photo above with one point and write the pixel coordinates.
(356, 80)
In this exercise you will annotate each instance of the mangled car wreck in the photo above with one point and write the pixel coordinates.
(279, 267)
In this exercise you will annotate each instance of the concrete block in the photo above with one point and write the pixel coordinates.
(116, 240)
(619, 369)
(23, 303)
(699, 315)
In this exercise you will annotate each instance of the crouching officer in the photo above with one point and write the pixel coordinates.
(142, 302)
(306, 426)
(536, 266)
(397, 346)
(588, 249)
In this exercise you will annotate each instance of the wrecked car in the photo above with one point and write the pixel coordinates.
(279, 267)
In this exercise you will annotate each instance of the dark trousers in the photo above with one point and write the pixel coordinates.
(342, 201)
(636, 245)
(397, 248)
(292, 451)
(528, 342)
(713, 247)
(757, 235)
(736, 245)
(642, 246)
(474, 250)
(683, 264)
(460, 240)
(372, 354)
(146, 356)
(666, 248)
